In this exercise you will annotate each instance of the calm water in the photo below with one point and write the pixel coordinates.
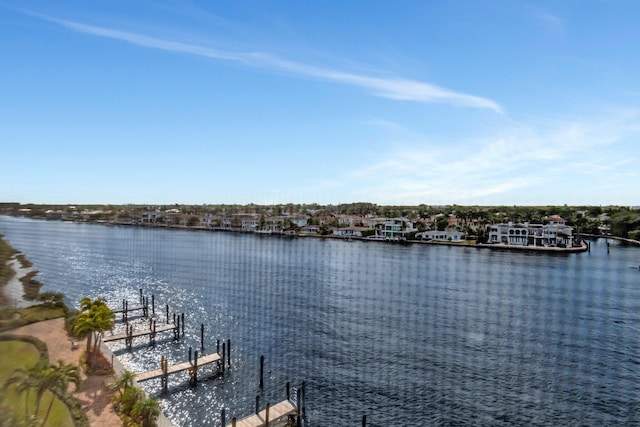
(408, 335)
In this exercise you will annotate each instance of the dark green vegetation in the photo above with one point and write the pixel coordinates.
(6, 273)
(619, 221)
(35, 393)
(133, 406)
(93, 319)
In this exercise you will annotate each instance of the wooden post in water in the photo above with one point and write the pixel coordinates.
(266, 415)
(257, 404)
(189, 354)
(223, 421)
(364, 421)
(224, 350)
(304, 399)
(195, 368)
(153, 304)
(218, 346)
(130, 338)
(153, 333)
(177, 330)
(233, 422)
(261, 372)
(164, 365)
(167, 306)
(229, 353)
(288, 392)
(183, 324)
(298, 404)
(140, 295)
(202, 337)
(124, 310)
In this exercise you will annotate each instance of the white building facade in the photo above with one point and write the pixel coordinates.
(554, 234)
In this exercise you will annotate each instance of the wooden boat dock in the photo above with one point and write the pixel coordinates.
(136, 334)
(272, 414)
(290, 409)
(190, 366)
(203, 361)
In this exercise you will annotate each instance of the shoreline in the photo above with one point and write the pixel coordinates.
(282, 235)
(13, 290)
(118, 368)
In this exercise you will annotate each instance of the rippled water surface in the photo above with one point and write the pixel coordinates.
(408, 335)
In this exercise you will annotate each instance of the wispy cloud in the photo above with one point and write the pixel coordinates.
(550, 21)
(395, 88)
(522, 163)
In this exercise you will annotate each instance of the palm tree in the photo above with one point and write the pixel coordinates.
(146, 410)
(58, 380)
(25, 379)
(94, 318)
(123, 382)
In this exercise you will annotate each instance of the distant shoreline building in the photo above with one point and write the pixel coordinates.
(554, 234)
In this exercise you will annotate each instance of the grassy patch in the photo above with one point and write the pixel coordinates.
(25, 351)
(31, 286)
(6, 272)
(15, 317)
(24, 262)
(15, 354)
(59, 416)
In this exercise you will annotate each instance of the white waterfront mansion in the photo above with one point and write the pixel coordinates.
(554, 234)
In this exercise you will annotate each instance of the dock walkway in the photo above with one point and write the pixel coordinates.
(277, 412)
(136, 334)
(157, 373)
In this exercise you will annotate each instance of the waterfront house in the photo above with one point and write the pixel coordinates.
(554, 234)
(349, 231)
(442, 236)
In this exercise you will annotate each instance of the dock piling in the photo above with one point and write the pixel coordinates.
(140, 295)
(195, 368)
(303, 388)
(153, 304)
(364, 421)
(167, 306)
(202, 337)
(224, 350)
(266, 415)
(223, 421)
(261, 372)
(165, 376)
(182, 324)
(257, 404)
(229, 353)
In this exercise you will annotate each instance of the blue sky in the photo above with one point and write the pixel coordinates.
(390, 102)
